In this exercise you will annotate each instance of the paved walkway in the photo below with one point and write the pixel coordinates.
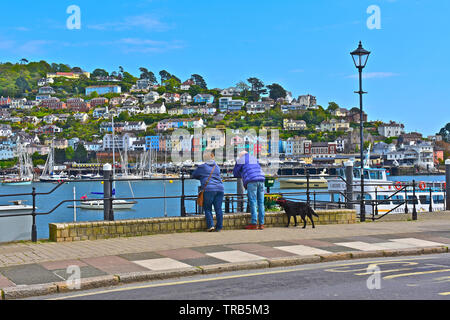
(29, 264)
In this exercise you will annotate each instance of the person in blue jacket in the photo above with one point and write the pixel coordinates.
(214, 191)
(248, 168)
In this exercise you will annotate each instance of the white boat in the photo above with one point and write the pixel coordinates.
(99, 205)
(302, 183)
(378, 187)
(17, 206)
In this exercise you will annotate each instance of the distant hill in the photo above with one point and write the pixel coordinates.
(20, 79)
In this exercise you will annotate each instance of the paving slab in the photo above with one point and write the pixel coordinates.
(29, 274)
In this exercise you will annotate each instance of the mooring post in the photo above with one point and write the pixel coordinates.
(447, 184)
(183, 196)
(107, 194)
(349, 184)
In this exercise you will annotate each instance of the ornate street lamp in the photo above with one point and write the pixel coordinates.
(360, 57)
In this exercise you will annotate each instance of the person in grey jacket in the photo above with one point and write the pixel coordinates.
(214, 191)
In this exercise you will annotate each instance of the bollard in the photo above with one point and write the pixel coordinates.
(447, 184)
(349, 184)
(108, 212)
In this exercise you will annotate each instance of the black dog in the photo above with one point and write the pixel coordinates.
(297, 209)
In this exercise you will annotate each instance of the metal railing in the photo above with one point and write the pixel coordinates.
(233, 203)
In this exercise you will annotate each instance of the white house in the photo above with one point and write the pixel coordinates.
(135, 126)
(155, 108)
(151, 97)
(391, 129)
(185, 98)
(5, 130)
(83, 117)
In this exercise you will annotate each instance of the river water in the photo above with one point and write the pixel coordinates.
(143, 209)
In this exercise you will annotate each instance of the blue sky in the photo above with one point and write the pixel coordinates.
(303, 45)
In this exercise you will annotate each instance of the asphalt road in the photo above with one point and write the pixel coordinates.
(402, 278)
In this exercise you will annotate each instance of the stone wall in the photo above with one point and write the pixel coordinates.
(61, 232)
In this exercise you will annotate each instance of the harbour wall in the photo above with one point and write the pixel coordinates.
(68, 232)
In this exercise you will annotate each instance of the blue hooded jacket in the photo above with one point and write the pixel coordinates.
(202, 173)
(248, 168)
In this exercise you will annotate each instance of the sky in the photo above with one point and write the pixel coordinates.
(303, 45)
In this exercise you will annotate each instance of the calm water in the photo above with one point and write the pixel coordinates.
(143, 209)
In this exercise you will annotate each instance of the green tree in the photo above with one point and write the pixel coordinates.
(276, 91)
(199, 81)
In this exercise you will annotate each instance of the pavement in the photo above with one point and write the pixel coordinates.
(28, 269)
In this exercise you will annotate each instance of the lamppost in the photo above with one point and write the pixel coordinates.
(360, 57)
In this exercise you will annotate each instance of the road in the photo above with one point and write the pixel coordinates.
(402, 278)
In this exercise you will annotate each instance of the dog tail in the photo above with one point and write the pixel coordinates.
(314, 213)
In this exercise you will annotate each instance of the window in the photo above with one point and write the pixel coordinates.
(410, 199)
(356, 173)
(382, 200)
(438, 199)
(398, 200)
(424, 199)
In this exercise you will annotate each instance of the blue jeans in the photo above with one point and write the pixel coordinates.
(255, 192)
(210, 199)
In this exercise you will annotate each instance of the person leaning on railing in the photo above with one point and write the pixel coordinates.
(248, 168)
(209, 175)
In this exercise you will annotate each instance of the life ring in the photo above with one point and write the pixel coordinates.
(398, 186)
(422, 185)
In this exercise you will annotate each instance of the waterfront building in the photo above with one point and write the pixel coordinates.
(121, 141)
(227, 104)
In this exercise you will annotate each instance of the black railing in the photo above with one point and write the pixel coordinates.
(234, 203)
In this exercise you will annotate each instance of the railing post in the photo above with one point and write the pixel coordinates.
(447, 184)
(227, 204)
(240, 192)
(431, 200)
(183, 196)
(33, 227)
(376, 202)
(349, 184)
(308, 199)
(414, 213)
(107, 193)
(314, 195)
(406, 200)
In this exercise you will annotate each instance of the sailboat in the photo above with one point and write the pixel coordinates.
(48, 175)
(117, 204)
(25, 170)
